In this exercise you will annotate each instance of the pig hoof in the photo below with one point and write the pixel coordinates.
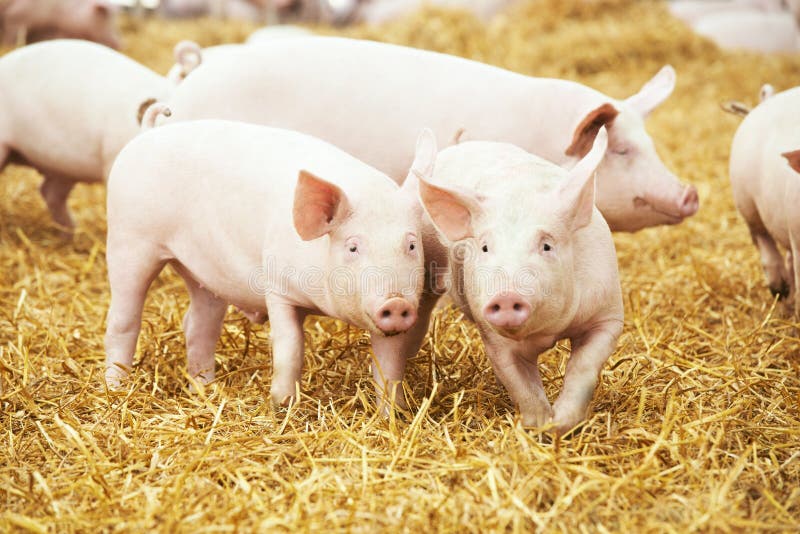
(781, 291)
(279, 401)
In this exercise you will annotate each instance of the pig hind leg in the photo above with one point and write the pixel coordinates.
(202, 325)
(55, 192)
(771, 259)
(132, 267)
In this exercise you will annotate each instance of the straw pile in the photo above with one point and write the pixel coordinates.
(695, 424)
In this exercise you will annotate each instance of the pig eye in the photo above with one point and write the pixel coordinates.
(485, 248)
(412, 246)
(352, 246)
(621, 151)
(546, 247)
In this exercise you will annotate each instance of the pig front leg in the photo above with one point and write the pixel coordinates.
(201, 326)
(286, 323)
(392, 353)
(771, 260)
(590, 352)
(55, 192)
(132, 267)
(519, 374)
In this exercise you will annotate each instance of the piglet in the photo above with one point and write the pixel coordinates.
(766, 188)
(36, 20)
(760, 32)
(69, 108)
(532, 262)
(274, 222)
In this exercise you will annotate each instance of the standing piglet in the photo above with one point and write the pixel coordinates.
(376, 96)
(27, 21)
(274, 222)
(532, 262)
(68, 108)
(766, 189)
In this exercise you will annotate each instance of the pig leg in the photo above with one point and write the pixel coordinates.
(520, 376)
(201, 326)
(55, 192)
(132, 267)
(771, 259)
(286, 323)
(589, 354)
(392, 353)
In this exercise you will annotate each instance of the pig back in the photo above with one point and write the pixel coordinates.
(369, 99)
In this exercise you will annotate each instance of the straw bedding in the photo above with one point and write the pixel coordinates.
(695, 424)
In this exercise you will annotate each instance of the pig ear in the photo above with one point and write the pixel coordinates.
(793, 158)
(424, 156)
(576, 196)
(424, 159)
(452, 211)
(654, 92)
(102, 8)
(587, 130)
(319, 206)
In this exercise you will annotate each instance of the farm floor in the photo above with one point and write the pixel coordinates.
(695, 424)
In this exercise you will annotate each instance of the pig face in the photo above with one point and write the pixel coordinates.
(374, 266)
(635, 189)
(518, 248)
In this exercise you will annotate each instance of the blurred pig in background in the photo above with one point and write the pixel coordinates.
(28, 21)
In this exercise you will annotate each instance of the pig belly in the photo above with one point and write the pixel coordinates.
(226, 267)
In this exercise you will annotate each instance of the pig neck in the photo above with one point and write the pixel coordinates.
(557, 107)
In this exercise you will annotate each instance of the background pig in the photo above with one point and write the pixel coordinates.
(271, 221)
(68, 108)
(692, 11)
(376, 117)
(36, 20)
(535, 264)
(762, 32)
(765, 186)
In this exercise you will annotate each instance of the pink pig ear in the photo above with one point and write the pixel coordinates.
(654, 92)
(319, 206)
(424, 159)
(793, 158)
(576, 196)
(452, 211)
(102, 8)
(587, 130)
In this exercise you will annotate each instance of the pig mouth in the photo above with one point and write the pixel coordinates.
(670, 216)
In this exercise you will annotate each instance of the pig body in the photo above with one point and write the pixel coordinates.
(693, 11)
(70, 107)
(760, 32)
(535, 263)
(242, 213)
(38, 20)
(766, 189)
(369, 98)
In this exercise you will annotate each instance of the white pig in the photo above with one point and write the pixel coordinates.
(27, 21)
(271, 221)
(533, 262)
(189, 55)
(766, 189)
(68, 108)
(370, 98)
(692, 11)
(759, 32)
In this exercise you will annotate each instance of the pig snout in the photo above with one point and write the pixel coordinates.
(395, 316)
(507, 310)
(689, 202)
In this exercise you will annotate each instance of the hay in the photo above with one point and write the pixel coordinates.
(695, 424)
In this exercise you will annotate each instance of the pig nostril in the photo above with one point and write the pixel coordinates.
(496, 308)
(517, 306)
(404, 314)
(385, 313)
